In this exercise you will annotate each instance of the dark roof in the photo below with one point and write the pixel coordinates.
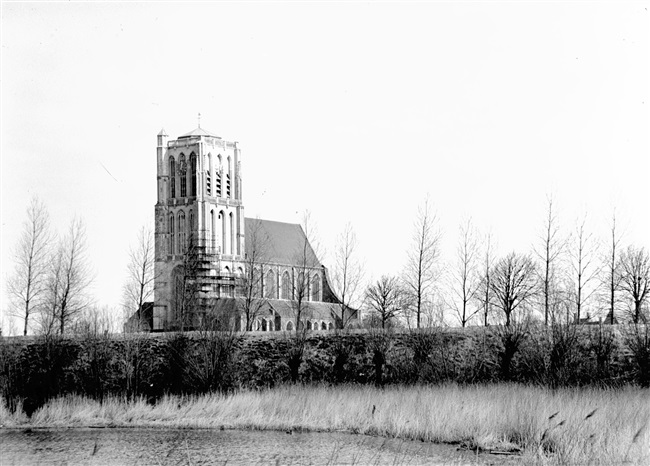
(279, 242)
(199, 132)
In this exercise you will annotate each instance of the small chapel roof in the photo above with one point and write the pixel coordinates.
(282, 243)
(199, 132)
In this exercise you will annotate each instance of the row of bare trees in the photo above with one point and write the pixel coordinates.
(48, 288)
(566, 279)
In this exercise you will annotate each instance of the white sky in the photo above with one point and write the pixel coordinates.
(354, 111)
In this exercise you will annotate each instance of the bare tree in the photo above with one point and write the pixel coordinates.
(138, 287)
(420, 273)
(186, 284)
(304, 262)
(385, 299)
(550, 247)
(251, 299)
(584, 267)
(512, 283)
(635, 275)
(433, 311)
(465, 276)
(68, 280)
(27, 285)
(485, 290)
(612, 269)
(347, 275)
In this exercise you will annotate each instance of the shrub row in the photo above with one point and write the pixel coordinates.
(32, 372)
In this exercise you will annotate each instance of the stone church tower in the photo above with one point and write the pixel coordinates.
(199, 230)
(205, 268)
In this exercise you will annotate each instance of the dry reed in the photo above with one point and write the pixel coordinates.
(567, 426)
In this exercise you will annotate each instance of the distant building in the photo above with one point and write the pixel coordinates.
(209, 257)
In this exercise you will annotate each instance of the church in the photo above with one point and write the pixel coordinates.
(211, 262)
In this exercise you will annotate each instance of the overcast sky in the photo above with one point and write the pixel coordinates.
(354, 111)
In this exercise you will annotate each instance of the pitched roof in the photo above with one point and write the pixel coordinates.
(279, 242)
(199, 132)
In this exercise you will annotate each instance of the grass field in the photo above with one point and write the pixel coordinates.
(567, 426)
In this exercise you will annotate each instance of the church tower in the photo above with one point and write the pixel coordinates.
(199, 229)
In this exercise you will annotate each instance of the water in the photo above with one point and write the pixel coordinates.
(196, 447)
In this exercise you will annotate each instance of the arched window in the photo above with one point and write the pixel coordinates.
(323, 326)
(309, 325)
(172, 178)
(238, 232)
(222, 216)
(256, 280)
(182, 173)
(218, 175)
(213, 231)
(286, 286)
(269, 285)
(232, 234)
(181, 232)
(171, 234)
(302, 287)
(289, 326)
(208, 176)
(330, 326)
(191, 228)
(315, 288)
(193, 174)
(228, 178)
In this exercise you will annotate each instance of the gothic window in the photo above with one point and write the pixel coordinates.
(218, 184)
(171, 233)
(228, 177)
(191, 227)
(289, 326)
(257, 283)
(271, 292)
(172, 178)
(181, 232)
(302, 287)
(286, 286)
(238, 233)
(222, 216)
(193, 174)
(208, 177)
(182, 172)
(315, 288)
(232, 234)
(213, 230)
